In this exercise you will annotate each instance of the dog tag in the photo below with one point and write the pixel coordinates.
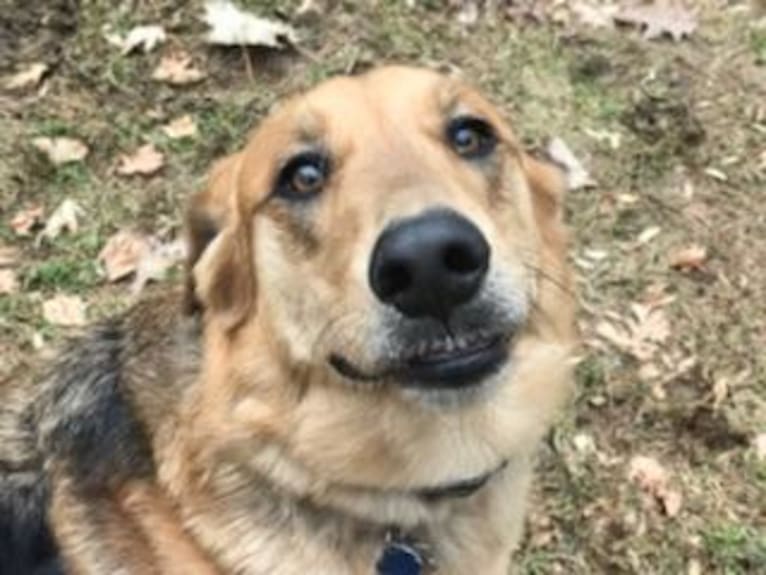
(399, 559)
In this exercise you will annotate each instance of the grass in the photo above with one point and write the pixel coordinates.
(736, 549)
(678, 109)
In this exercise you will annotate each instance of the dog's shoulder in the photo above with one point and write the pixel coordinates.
(111, 389)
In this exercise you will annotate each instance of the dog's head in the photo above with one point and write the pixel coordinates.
(387, 295)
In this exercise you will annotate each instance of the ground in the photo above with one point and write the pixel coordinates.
(655, 468)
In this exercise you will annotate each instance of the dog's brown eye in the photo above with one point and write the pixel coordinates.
(303, 177)
(471, 138)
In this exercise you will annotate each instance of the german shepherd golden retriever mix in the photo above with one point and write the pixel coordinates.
(376, 332)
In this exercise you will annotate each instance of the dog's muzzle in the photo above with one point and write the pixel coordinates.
(429, 271)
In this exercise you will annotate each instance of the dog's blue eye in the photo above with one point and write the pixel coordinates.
(471, 138)
(303, 177)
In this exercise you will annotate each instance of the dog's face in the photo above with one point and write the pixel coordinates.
(389, 281)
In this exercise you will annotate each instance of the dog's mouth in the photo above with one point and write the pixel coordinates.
(450, 362)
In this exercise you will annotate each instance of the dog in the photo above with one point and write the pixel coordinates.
(375, 333)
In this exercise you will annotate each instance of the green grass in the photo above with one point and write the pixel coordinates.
(69, 274)
(758, 45)
(736, 549)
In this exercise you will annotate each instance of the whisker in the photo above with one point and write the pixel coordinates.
(553, 280)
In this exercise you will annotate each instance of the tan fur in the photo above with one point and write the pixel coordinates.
(267, 461)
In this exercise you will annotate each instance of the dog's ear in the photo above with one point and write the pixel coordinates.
(223, 276)
(219, 276)
(547, 183)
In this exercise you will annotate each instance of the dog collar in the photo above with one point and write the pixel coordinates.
(403, 555)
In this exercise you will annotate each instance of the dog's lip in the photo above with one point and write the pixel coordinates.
(468, 362)
(445, 363)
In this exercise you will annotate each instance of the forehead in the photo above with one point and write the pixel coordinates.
(378, 117)
(384, 102)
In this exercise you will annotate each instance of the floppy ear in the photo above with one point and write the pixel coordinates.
(223, 276)
(219, 276)
(547, 183)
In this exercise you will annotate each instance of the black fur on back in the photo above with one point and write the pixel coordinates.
(84, 428)
(26, 545)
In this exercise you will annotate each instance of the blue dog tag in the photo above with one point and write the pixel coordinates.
(399, 559)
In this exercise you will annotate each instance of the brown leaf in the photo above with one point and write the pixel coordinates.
(64, 310)
(232, 26)
(122, 253)
(759, 444)
(177, 69)
(61, 150)
(691, 258)
(26, 220)
(660, 17)
(154, 264)
(29, 77)
(640, 334)
(654, 480)
(8, 256)
(8, 282)
(181, 127)
(577, 176)
(595, 14)
(64, 218)
(145, 38)
(147, 160)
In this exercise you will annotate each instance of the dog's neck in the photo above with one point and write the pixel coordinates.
(250, 504)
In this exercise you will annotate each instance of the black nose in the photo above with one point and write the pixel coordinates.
(429, 264)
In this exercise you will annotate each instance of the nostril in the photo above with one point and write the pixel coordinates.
(393, 278)
(459, 258)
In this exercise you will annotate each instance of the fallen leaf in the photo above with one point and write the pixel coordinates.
(145, 38)
(577, 176)
(232, 26)
(584, 443)
(694, 567)
(29, 77)
(64, 310)
(26, 220)
(716, 174)
(759, 444)
(61, 150)
(8, 256)
(311, 10)
(122, 253)
(671, 501)
(689, 259)
(63, 218)
(659, 18)
(177, 69)
(181, 127)
(468, 14)
(720, 391)
(640, 334)
(647, 235)
(613, 139)
(145, 161)
(154, 263)
(8, 282)
(595, 14)
(653, 479)
(647, 473)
